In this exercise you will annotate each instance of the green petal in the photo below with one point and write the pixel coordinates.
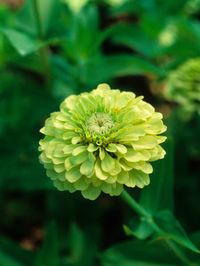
(75, 160)
(111, 147)
(69, 135)
(92, 147)
(125, 165)
(79, 150)
(58, 152)
(76, 140)
(111, 179)
(108, 163)
(44, 159)
(144, 167)
(73, 175)
(128, 134)
(49, 150)
(81, 184)
(91, 192)
(121, 148)
(68, 164)
(87, 167)
(155, 126)
(117, 169)
(157, 153)
(52, 174)
(68, 149)
(60, 185)
(59, 168)
(112, 189)
(99, 172)
(146, 142)
(123, 177)
(58, 160)
(137, 178)
(135, 156)
(101, 153)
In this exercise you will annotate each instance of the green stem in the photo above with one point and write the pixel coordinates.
(134, 205)
(43, 51)
(144, 213)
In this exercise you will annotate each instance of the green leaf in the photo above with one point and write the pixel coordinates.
(23, 43)
(48, 10)
(159, 194)
(5, 259)
(117, 66)
(13, 255)
(143, 43)
(173, 230)
(139, 227)
(83, 35)
(82, 249)
(138, 253)
(48, 255)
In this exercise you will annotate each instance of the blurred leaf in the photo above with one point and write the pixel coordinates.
(143, 43)
(138, 253)
(186, 33)
(48, 10)
(6, 259)
(173, 230)
(23, 43)
(82, 250)
(138, 227)
(105, 68)
(196, 238)
(159, 194)
(13, 255)
(83, 34)
(48, 255)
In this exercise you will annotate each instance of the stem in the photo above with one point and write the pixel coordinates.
(43, 51)
(134, 205)
(142, 212)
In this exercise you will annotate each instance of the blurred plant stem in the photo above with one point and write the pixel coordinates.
(43, 51)
(144, 213)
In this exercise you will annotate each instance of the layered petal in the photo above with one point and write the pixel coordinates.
(101, 141)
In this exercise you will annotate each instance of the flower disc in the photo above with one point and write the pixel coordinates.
(100, 141)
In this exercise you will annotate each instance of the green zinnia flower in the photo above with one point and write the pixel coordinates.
(183, 85)
(100, 141)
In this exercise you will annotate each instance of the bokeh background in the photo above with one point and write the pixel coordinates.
(52, 49)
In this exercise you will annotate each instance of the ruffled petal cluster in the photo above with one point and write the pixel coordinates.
(183, 85)
(101, 141)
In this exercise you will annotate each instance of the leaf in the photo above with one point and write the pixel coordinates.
(83, 35)
(48, 255)
(143, 43)
(116, 66)
(23, 43)
(13, 255)
(48, 10)
(138, 253)
(139, 227)
(82, 249)
(173, 230)
(159, 194)
(5, 259)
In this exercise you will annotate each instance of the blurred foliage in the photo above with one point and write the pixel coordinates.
(51, 49)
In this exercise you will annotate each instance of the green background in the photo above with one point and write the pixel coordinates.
(50, 50)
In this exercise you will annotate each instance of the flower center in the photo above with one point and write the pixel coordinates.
(99, 123)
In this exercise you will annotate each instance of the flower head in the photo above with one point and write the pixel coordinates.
(183, 85)
(100, 141)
